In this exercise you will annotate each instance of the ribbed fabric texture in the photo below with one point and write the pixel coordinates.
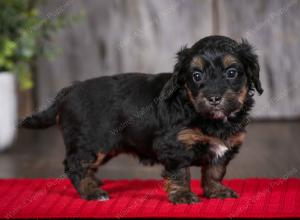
(56, 198)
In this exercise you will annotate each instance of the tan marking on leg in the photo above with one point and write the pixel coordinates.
(93, 167)
(192, 136)
(236, 139)
(173, 186)
(178, 188)
(100, 157)
(89, 185)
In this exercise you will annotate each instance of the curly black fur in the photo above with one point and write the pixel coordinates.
(142, 114)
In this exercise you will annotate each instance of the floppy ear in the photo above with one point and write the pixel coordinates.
(250, 61)
(182, 57)
(178, 78)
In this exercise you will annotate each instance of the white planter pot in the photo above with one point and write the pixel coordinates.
(8, 109)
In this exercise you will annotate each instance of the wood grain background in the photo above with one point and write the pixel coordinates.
(143, 35)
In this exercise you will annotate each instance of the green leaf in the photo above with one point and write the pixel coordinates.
(24, 76)
(21, 30)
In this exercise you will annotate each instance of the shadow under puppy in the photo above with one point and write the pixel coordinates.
(195, 116)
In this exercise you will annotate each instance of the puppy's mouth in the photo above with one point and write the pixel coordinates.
(217, 114)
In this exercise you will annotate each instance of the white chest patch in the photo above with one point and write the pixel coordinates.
(219, 150)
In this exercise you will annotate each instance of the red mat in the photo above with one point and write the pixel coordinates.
(56, 198)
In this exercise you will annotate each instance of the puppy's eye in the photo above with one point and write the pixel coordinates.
(231, 73)
(198, 76)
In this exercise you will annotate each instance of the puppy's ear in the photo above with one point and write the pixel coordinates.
(250, 61)
(182, 57)
(178, 78)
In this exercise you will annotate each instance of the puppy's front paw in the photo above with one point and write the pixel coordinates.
(220, 192)
(183, 197)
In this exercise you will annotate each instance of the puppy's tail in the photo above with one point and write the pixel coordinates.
(47, 117)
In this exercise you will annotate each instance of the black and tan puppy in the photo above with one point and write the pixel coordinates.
(195, 116)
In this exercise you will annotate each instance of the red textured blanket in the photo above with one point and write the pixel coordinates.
(53, 198)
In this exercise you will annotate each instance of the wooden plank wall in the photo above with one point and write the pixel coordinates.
(143, 35)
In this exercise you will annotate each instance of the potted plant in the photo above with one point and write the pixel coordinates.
(21, 31)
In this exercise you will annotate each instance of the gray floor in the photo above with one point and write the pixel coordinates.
(272, 149)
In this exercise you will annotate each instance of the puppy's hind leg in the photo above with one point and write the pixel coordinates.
(80, 167)
(93, 168)
(101, 160)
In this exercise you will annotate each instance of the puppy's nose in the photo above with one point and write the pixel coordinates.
(214, 100)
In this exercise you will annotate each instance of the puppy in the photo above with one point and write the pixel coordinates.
(195, 116)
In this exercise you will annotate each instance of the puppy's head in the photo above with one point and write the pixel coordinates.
(217, 74)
